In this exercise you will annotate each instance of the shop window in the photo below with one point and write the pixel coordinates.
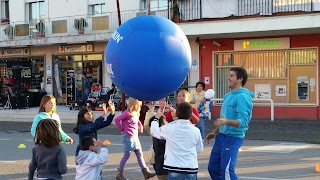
(98, 9)
(273, 69)
(22, 78)
(92, 57)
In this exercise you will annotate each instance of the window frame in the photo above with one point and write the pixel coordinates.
(102, 9)
(40, 14)
(5, 10)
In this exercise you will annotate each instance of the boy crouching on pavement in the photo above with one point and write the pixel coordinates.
(183, 142)
(89, 161)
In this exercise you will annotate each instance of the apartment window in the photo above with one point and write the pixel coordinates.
(35, 10)
(4, 9)
(98, 9)
(154, 5)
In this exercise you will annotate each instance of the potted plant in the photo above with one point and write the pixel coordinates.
(80, 24)
(5, 21)
(9, 31)
(40, 29)
(175, 11)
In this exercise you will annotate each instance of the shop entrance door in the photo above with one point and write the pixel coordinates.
(67, 78)
(67, 85)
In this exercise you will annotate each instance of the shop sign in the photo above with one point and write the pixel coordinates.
(76, 48)
(261, 44)
(15, 52)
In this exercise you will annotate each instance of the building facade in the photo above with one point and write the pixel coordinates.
(276, 41)
(47, 45)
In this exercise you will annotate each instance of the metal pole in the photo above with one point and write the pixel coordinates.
(123, 99)
(168, 9)
(119, 16)
(148, 6)
(270, 100)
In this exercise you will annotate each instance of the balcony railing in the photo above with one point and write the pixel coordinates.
(190, 10)
(67, 26)
(233, 9)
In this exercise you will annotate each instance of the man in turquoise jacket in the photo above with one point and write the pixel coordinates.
(236, 112)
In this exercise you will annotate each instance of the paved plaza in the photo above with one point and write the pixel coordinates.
(258, 159)
(282, 149)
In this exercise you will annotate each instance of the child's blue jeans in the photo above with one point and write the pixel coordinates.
(200, 125)
(181, 176)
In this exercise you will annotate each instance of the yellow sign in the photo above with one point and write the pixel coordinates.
(261, 44)
(76, 48)
(15, 52)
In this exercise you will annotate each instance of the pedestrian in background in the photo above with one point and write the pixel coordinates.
(197, 94)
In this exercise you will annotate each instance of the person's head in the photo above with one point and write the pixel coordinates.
(134, 106)
(84, 75)
(183, 96)
(47, 133)
(162, 121)
(113, 86)
(200, 86)
(89, 143)
(85, 116)
(237, 78)
(48, 104)
(184, 110)
(162, 102)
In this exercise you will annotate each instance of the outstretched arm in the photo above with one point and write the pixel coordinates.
(102, 157)
(155, 130)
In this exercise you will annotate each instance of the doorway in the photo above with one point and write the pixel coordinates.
(67, 79)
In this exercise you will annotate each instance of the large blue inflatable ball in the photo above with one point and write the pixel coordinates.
(148, 57)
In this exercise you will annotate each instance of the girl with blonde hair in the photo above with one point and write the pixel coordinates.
(183, 96)
(129, 125)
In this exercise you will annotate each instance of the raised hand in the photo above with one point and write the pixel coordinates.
(111, 107)
(172, 109)
(151, 106)
(159, 113)
(104, 108)
(99, 142)
(162, 103)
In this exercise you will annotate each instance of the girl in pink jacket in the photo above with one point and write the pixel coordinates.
(129, 125)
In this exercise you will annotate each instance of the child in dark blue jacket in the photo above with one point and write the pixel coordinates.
(87, 127)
